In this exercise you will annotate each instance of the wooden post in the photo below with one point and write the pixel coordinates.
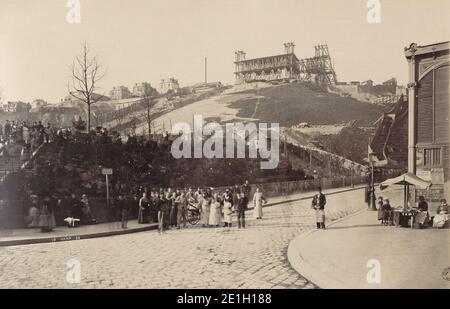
(107, 172)
(351, 177)
(107, 190)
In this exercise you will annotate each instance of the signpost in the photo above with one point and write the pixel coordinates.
(107, 172)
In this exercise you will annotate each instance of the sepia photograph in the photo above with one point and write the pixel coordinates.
(239, 147)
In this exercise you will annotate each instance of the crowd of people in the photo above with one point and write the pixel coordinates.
(41, 214)
(167, 206)
(24, 134)
(170, 208)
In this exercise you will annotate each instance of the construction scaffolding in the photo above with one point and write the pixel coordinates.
(272, 68)
(286, 67)
(320, 67)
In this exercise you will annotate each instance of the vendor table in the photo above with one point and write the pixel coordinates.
(402, 218)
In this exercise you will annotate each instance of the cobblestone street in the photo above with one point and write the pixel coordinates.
(196, 257)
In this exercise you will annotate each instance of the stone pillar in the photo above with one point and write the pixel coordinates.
(412, 92)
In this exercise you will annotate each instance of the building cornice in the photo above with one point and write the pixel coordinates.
(414, 50)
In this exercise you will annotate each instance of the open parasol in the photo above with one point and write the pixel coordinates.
(406, 180)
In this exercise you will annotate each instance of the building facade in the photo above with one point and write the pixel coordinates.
(429, 115)
(169, 84)
(142, 89)
(16, 107)
(120, 93)
(38, 103)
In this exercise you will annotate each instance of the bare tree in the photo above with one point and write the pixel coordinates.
(148, 115)
(86, 73)
(149, 95)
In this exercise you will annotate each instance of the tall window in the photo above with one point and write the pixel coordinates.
(432, 156)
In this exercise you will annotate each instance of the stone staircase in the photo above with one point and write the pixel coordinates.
(12, 165)
(391, 137)
(15, 163)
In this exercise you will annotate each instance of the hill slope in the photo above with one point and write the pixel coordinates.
(287, 104)
(291, 104)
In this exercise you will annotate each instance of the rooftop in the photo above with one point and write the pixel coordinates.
(416, 50)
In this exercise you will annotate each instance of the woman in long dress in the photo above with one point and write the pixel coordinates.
(143, 207)
(86, 217)
(182, 210)
(159, 206)
(47, 217)
(441, 218)
(205, 209)
(380, 209)
(215, 213)
(173, 210)
(421, 217)
(33, 213)
(258, 200)
(227, 208)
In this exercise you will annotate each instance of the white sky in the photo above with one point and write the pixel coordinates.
(140, 40)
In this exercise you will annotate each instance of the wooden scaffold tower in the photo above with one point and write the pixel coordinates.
(320, 66)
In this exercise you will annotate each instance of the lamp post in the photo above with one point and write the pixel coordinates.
(372, 187)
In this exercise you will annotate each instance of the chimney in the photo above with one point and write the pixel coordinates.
(206, 70)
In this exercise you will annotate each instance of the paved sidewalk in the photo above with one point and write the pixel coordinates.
(338, 257)
(10, 237)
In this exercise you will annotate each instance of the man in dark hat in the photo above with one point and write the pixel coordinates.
(241, 208)
(246, 188)
(235, 193)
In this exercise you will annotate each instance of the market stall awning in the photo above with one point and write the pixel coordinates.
(406, 180)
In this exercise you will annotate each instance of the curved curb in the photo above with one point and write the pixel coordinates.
(308, 270)
(38, 240)
(309, 196)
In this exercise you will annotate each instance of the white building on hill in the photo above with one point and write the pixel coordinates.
(169, 84)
